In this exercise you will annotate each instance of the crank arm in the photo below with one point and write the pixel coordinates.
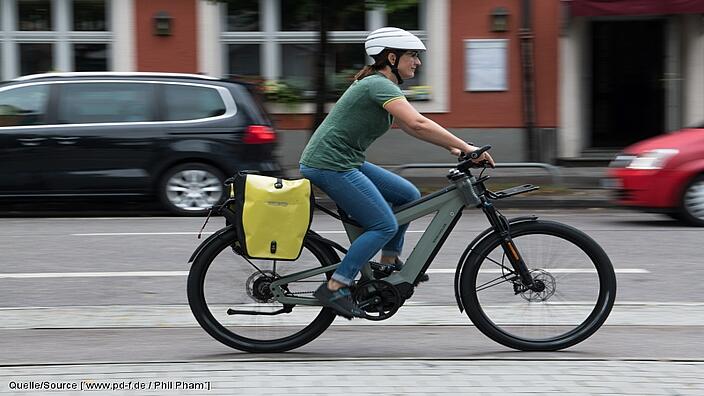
(366, 303)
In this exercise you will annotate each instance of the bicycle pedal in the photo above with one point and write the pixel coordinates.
(386, 269)
(382, 271)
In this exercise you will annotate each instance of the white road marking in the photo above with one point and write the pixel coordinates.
(92, 274)
(190, 233)
(551, 270)
(138, 233)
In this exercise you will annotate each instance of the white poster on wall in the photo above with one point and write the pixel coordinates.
(485, 65)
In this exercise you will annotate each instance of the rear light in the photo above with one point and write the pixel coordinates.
(259, 134)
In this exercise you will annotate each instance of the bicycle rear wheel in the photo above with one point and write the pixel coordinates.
(579, 288)
(221, 280)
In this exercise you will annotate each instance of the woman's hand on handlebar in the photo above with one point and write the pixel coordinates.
(485, 157)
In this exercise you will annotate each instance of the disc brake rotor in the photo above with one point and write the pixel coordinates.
(544, 287)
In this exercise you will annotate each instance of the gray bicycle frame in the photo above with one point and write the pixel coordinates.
(447, 204)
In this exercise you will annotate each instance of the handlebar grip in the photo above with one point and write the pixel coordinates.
(477, 153)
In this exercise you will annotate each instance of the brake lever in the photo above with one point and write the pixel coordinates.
(484, 164)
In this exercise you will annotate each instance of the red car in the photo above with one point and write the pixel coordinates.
(663, 174)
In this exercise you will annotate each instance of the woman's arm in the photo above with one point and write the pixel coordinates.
(421, 127)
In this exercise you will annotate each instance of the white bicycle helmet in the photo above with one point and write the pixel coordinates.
(391, 37)
(394, 39)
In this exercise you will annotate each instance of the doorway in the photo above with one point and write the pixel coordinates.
(628, 91)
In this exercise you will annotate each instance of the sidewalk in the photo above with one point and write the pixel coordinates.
(412, 314)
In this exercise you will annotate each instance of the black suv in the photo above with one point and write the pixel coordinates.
(175, 136)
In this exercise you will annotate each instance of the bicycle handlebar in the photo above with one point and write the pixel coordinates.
(466, 160)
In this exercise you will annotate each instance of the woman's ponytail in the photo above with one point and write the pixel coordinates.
(368, 70)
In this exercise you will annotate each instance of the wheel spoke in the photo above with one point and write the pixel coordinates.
(501, 265)
(494, 282)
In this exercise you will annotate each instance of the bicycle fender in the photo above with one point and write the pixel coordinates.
(208, 240)
(485, 234)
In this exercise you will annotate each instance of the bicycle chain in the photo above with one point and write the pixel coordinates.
(297, 293)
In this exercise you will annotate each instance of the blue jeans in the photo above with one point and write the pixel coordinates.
(365, 194)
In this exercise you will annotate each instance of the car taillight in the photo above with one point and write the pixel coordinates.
(259, 134)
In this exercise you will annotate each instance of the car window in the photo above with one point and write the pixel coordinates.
(188, 102)
(24, 105)
(83, 103)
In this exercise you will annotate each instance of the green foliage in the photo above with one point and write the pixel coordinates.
(280, 92)
(391, 5)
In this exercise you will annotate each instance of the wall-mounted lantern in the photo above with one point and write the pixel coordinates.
(162, 24)
(499, 19)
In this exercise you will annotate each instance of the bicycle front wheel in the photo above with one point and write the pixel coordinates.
(221, 281)
(577, 288)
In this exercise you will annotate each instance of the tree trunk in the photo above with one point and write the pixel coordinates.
(320, 86)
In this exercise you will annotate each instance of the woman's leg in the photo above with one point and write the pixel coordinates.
(354, 193)
(397, 191)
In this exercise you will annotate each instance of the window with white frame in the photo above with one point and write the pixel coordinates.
(277, 40)
(55, 35)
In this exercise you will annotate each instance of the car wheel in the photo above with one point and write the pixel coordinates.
(191, 189)
(692, 207)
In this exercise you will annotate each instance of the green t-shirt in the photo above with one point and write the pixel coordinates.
(357, 119)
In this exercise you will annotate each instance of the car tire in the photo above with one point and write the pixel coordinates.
(692, 202)
(191, 189)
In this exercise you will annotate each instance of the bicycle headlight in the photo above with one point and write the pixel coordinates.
(652, 159)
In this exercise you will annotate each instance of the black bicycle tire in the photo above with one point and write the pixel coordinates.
(196, 300)
(591, 324)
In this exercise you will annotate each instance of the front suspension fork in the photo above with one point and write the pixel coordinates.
(500, 225)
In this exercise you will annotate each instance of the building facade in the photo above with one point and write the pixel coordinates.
(629, 70)
(572, 79)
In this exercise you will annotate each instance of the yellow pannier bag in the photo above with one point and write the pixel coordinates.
(274, 215)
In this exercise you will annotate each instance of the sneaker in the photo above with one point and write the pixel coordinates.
(339, 301)
(384, 270)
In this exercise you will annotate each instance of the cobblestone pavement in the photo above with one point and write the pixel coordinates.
(361, 376)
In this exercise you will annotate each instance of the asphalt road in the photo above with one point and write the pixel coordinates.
(45, 262)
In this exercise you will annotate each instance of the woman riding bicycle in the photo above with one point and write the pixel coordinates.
(334, 158)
